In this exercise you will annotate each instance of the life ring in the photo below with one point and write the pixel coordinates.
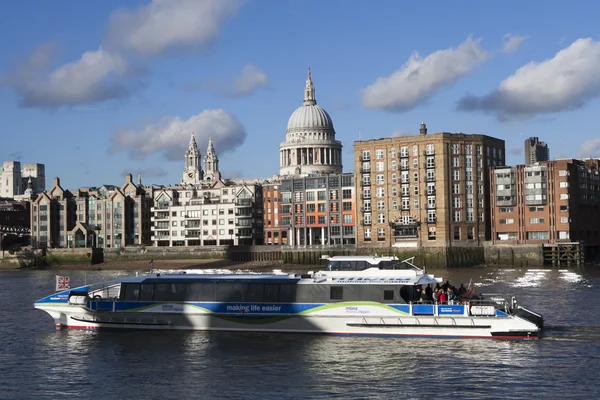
(97, 296)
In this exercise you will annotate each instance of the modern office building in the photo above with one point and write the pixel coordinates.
(548, 202)
(427, 190)
(314, 210)
(275, 233)
(205, 210)
(103, 217)
(536, 151)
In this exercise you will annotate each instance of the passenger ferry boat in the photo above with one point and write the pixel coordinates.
(352, 295)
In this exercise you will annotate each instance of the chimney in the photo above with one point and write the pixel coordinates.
(128, 178)
(56, 181)
(140, 179)
(423, 130)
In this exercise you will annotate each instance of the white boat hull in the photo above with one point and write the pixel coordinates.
(510, 327)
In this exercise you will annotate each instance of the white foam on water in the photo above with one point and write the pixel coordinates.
(532, 278)
(570, 276)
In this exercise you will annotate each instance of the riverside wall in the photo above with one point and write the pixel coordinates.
(430, 257)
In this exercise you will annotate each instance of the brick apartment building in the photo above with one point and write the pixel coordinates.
(275, 233)
(549, 202)
(427, 190)
(311, 210)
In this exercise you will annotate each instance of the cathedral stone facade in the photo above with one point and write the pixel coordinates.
(310, 146)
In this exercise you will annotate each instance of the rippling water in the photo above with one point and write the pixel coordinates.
(37, 362)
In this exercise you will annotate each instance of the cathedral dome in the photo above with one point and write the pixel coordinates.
(310, 117)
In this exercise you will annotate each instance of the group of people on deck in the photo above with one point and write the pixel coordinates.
(445, 293)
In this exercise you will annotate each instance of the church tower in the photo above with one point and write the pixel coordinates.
(211, 163)
(192, 173)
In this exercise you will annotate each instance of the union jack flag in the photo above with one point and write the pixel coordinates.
(63, 282)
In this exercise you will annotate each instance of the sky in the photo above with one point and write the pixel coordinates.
(97, 89)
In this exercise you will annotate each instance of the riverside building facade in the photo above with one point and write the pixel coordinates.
(429, 190)
(205, 210)
(103, 217)
(548, 202)
(316, 210)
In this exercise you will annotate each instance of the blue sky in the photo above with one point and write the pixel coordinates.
(96, 89)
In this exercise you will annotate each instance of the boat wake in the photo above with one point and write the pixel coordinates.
(590, 334)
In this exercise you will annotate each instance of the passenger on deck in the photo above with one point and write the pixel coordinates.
(462, 290)
(450, 294)
(442, 297)
(429, 291)
(434, 295)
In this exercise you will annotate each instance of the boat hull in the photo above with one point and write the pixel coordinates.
(492, 327)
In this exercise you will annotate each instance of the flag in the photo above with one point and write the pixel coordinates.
(63, 282)
(470, 290)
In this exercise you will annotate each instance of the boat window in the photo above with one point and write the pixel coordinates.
(147, 292)
(254, 292)
(388, 295)
(131, 292)
(169, 292)
(409, 293)
(271, 293)
(347, 265)
(230, 292)
(287, 293)
(336, 293)
(204, 291)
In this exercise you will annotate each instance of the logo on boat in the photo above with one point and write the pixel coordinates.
(356, 310)
(172, 308)
(371, 280)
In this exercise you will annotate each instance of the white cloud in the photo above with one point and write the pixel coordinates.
(105, 74)
(170, 136)
(419, 78)
(591, 148)
(565, 82)
(512, 43)
(250, 79)
(164, 25)
(96, 76)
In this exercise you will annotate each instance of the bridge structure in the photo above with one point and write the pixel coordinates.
(12, 230)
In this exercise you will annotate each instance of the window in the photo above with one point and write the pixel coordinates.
(388, 295)
(564, 184)
(416, 176)
(564, 196)
(416, 189)
(415, 150)
(456, 202)
(536, 220)
(380, 205)
(379, 154)
(394, 179)
(406, 190)
(347, 206)
(456, 216)
(381, 218)
(404, 151)
(457, 233)
(404, 163)
(416, 204)
(415, 163)
(455, 188)
(336, 293)
(366, 155)
(380, 233)
(347, 219)
(394, 191)
(405, 203)
(456, 175)
(506, 209)
(537, 235)
(563, 235)
(394, 165)
(507, 221)
(394, 205)
(380, 192)
(379, 179)
(393, 152)
(379, 166)
(455, 162)
(564, 220)
(454, 148)
(562, 173)
(367, 233)
(430, 149)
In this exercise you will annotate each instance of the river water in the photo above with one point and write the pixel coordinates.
(38, 362)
